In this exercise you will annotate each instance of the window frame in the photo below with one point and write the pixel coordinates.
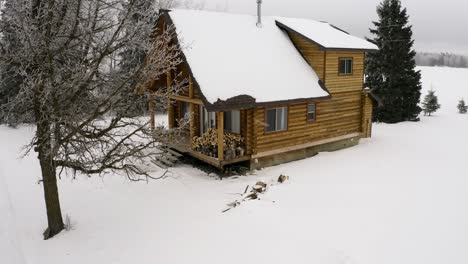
(310, 121)
(276, 115)
(340, 59)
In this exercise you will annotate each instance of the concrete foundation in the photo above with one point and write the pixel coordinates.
(281, 158)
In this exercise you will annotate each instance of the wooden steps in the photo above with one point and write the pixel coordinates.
(168, 159)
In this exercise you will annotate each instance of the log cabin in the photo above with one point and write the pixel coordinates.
(266, 90)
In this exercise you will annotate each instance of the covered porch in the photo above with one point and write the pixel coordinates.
(216, 138)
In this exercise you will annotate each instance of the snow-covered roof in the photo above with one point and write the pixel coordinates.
(325, 35)
(229, 56)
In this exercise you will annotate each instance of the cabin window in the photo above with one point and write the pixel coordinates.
(311, 109)
(232, 122)
(346, 66)
(208, 120)
(276, 119)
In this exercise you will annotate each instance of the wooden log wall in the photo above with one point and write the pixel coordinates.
(336, 83)
(339, 116)
(249, 130)
(182, 75)
(312, 53)
(367, 116)
(336, 117)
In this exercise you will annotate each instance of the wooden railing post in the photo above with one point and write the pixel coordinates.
(220, 136)
(170, 106)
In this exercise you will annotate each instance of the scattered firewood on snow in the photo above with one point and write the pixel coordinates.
(246, 189)
(283, 178)
(255, 192)
(260, 187)
(232, 205)
(252, 196)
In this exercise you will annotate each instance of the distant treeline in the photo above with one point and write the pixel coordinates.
(441, 59)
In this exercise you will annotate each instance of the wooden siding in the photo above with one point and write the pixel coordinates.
(311, 52)
(249, 131)
(194, 121)
(344, 114)
(325, 63)
(182, 75)
(337, 83)
(367, 116)
(336, 117)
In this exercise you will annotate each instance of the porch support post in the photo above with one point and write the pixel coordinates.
(192, 112)
(170, 113)
(220, 136)
(191, 93)
(193, 126)
(170, 106)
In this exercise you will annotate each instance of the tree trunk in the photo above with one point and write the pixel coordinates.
(51, 195)
(48, 168)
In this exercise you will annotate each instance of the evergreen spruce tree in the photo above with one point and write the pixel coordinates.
(390, 71)
(431, 103)
(462, 108)
(131, 58)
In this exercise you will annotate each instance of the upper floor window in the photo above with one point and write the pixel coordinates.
(311, 108)
(346, 66)
(276, 119)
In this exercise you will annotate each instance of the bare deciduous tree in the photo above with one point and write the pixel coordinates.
(64, 54)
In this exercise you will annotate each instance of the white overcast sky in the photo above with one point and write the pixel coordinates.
(437, 25)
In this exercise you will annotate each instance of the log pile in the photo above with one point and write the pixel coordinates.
(208, 144)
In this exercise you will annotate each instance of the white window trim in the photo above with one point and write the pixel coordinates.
(309, 112)
(276, 118)
(348, 67)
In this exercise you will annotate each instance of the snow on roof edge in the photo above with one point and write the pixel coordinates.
(324, 94)
(335, 37)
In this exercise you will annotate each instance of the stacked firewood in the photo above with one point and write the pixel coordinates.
(208, 144)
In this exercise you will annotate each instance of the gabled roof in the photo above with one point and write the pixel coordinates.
(232, 60)
(324, 34)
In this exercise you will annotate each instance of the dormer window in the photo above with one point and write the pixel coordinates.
(345, 66)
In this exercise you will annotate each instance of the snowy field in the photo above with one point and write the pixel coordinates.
(400, 197)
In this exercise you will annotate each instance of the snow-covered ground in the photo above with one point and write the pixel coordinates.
(400, 197)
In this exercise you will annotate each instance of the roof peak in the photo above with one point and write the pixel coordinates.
(238, 14)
